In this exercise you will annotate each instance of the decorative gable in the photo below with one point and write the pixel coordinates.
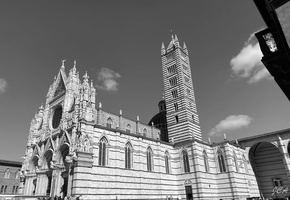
(60, 88)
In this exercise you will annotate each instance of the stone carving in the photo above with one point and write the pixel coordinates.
(84, 143)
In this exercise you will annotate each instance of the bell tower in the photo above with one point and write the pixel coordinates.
(182, 117)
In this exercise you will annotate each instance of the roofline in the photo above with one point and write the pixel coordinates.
(10, 163)
(264, 135)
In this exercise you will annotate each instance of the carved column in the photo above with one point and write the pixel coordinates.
(56, 183)
(42, 183)
(70, 174)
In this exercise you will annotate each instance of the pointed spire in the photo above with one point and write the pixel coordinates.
(162, 46)
(137, 118)
(176, 37)
(75, 64)
(86, 78)
(92, 85)
(184, 45)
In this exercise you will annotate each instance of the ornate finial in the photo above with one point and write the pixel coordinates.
(225, 136)
(62, 62)
(152, 123)
(121, 112)
(209, 141)
(237, 141)
(163, 96)
(100, 105)
(41, 107)
(75, 63)
(54, 77)
(92, 85)
(172, 37)
(137, 118)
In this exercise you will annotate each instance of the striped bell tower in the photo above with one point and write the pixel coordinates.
(182, 117)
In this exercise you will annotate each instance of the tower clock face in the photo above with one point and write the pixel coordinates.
(57, 114)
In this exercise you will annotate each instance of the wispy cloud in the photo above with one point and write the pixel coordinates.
(247, 64)
(107, 79)
(232, 122)
(3, 85)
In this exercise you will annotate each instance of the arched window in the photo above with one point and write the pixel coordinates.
(13, 190)
(144, 132)
(7, 173)
(149, 159)
(109, 122)
(17, 174)
(176, 118)
(5, 188)
(103, 152)
(245, 164)
(205, 160)
(128, 128)
(2, 189)
(236, 162)
(175, 106)
(185, 161)
(16, 190)
(167, 163)
(221, 162)
(128, 156)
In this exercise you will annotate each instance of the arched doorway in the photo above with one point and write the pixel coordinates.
(269, 168)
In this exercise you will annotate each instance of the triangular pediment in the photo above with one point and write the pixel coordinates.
(60, 86)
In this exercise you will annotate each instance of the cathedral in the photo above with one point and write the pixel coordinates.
(77, 149)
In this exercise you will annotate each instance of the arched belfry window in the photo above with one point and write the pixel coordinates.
(128, 128)
(103, 152)
(167, 162)
(149, 156)
(128, 156)
(109, 122)
(221, 162)
(185, 160)
(205, 160)
(7, 173)
(144, 132)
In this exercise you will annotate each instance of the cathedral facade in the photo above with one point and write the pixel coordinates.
(75, 148)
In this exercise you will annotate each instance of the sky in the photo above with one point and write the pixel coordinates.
(118, 43)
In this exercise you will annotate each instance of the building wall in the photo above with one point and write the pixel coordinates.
(9, 177)
(114, 181)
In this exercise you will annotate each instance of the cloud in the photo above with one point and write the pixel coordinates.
(232, 122)
(107, 79)
(247, 64)
(3, 85)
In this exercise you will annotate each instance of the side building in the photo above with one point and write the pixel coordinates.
(9, 178)
(77, 148)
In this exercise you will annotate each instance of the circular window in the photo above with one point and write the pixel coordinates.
(56, 117)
